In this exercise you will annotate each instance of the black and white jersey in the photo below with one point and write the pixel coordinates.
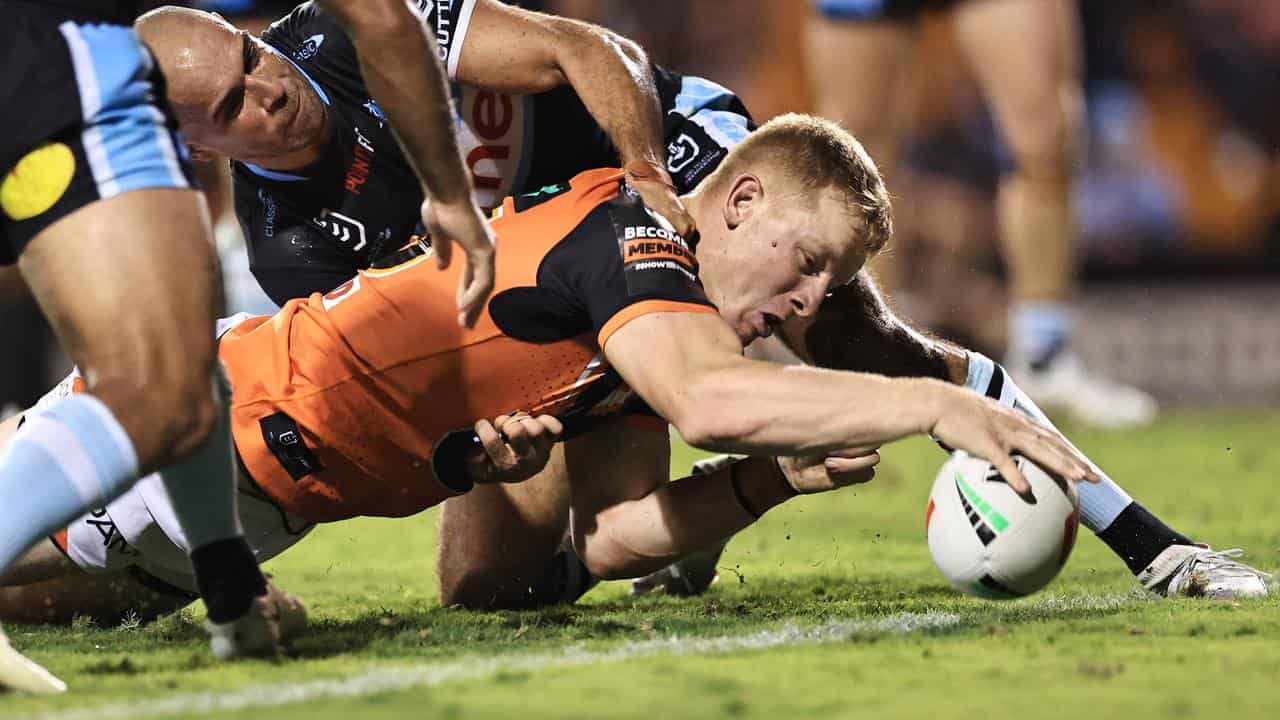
(310, 231)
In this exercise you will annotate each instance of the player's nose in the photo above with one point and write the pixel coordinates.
(269, 91)
(806, 298)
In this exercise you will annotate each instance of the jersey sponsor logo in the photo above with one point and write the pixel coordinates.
(649, 251)
(360, 161)
(37, 181)
(340, 293)
(268, 213)
(443, 11)
(112, 540)
(680, 152)
(343, 229)
(309, 48)
(490, 133)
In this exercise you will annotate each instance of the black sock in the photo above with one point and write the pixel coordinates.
(567, 580)
(228, 578)
(1138, 537)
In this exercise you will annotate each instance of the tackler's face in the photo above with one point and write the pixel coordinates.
(783, 253)
(236, 96)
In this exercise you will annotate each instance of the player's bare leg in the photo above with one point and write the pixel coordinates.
(1025, 56)
(45, 587)
(858, 70)
(500, 544)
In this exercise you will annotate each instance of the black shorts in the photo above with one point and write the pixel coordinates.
(879, 9)
(81, 119)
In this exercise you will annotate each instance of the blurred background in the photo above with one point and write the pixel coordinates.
(1177, 199)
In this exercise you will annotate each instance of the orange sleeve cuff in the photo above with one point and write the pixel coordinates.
(646, 307)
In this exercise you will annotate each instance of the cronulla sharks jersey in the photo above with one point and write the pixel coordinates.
(311, 230)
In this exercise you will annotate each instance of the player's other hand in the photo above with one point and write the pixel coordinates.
(984, 428)
(653, 183)
(513, 448)
(462, 222)
(815, 474)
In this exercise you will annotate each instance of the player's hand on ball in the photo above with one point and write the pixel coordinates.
(988, 430)
(815, 474)
(462, 222)
(658, 192)
(513, 448)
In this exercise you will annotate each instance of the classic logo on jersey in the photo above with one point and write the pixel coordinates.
(343, 229)
(491, 133)
(37, 181)
(680, 152)
(309, 48)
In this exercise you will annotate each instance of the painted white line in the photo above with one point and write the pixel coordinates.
(389, 679)
(405, 677)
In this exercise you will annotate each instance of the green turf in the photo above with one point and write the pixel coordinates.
(1089, 647)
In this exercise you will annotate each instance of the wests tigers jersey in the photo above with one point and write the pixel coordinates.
(340, 400)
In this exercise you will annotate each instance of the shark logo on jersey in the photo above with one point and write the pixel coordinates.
(681, 152)
(309, 48)
(376, 112)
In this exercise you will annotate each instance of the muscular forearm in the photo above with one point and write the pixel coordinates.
(634, 538)
(759, 408)
(413, 95)
(614, 79)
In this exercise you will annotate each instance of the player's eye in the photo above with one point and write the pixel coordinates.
(252, 56)
(808, 264)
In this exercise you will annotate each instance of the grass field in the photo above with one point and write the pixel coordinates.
(830, 607)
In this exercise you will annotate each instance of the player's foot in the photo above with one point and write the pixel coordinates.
(21, 674)
(1198, 571)
(1065, 383)
(273, 620)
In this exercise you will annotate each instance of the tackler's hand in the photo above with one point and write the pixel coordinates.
(653, 183)
(462, 221)
(513, 448)
(815, 474)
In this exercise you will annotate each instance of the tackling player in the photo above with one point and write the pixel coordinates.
(333, 193)
(349, 403)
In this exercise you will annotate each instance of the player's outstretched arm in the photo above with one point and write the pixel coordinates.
(509, 49)
(688, 368)
(416, 100)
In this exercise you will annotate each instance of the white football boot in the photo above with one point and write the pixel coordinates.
(21, 674)
(1066, 384)
(265, 630)
(693, 574)
(1199, 571)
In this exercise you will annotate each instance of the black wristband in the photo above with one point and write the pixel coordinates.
(741, 496)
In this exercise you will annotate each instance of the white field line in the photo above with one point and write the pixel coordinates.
(404, 677)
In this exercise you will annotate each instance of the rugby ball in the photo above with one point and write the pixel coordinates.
(987, 540)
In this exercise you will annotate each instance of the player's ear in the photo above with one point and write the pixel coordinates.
(744, 190)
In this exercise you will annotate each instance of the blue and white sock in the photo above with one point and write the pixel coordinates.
(1038, 331)
(1101, 502)
(63, 461)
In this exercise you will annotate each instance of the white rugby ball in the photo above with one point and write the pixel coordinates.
(988, 541)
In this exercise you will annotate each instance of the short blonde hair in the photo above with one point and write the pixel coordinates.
(818, 154)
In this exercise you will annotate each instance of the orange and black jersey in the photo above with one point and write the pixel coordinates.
(340, 400)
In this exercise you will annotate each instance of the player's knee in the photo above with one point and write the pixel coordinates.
(170, 411)
(1046, 145)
